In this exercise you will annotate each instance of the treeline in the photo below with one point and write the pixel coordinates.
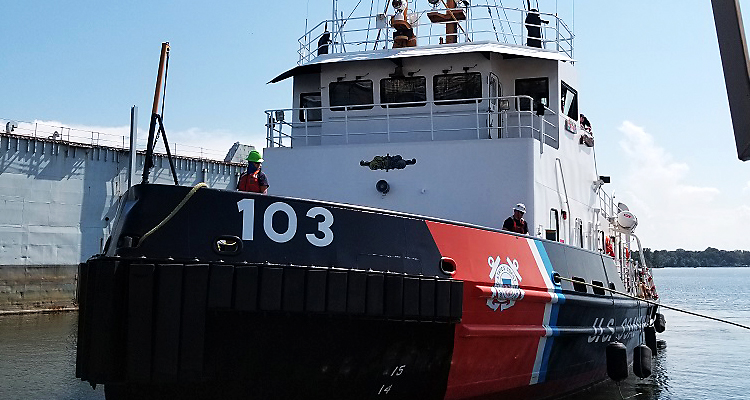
(710, 257)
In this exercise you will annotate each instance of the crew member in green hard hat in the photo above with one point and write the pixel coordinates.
(254, 180)
(516, 223)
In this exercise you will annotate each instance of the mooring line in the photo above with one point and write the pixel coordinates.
(172, 214)
(557, 278)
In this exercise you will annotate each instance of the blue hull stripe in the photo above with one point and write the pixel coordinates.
(555, 308)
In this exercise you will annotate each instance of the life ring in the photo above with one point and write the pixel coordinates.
(608, 249)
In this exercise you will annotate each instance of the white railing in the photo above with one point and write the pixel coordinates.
(606, 204)
(63, 134)
(480, 118)
(483, 23)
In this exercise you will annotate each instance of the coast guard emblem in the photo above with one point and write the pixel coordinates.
(505, 292)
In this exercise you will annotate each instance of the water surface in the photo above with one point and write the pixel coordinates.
(37, 358)
(704, 359)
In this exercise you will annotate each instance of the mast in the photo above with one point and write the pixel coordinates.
(160, 76)
(148, 163)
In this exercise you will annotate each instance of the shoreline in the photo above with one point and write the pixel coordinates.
(38, 311)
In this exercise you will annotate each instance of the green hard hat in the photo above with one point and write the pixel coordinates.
(254, 156)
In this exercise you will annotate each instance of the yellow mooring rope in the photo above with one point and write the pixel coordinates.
(172, 214)
(653, 302)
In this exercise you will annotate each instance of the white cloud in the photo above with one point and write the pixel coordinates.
(672, 212)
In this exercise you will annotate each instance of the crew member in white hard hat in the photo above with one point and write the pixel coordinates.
(516, 222)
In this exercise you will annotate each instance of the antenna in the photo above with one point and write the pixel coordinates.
(307, 16)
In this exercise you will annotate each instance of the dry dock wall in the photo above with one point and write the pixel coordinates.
(57, 202)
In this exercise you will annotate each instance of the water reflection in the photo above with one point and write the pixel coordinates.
(38, 353)
(38, 358)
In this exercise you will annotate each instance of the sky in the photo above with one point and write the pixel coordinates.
(650, 81)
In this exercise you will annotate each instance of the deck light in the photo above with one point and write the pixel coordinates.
(503, 104)
(383, 187)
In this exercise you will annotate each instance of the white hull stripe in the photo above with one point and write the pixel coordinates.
(544, 348)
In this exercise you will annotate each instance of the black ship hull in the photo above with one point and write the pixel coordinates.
(245, 296)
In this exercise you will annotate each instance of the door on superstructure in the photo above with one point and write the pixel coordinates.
(553, 231)
(493, 116)
(579, 233)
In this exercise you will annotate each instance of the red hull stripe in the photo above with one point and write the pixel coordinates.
(510, 308)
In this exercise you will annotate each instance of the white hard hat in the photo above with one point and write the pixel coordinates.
(520, 207)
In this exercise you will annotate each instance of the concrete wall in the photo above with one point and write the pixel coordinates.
(57, 203)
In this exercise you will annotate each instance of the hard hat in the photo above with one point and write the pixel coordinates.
(254, 156)
(520, 207)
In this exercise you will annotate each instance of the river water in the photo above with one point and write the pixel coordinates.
(704, 359)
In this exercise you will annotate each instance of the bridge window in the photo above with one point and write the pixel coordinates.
(350, 93)
(569, 101)
(536, 88)
(457, 87)
(310, 100)
(410, 90)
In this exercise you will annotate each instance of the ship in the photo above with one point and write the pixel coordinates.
(377, 265)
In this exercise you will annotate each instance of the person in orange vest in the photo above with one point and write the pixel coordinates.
(254, 180)
(516, 223)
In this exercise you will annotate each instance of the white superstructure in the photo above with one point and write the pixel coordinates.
(469, 113)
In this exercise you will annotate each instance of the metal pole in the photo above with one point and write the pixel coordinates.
(730, 32)
(573, 37)
(148, 162)
(133, 144)
(541, 136)
(476, 103)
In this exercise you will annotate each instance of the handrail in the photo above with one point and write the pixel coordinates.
(565, 190)
(366, 33)
(64, 134)
(510, 118)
